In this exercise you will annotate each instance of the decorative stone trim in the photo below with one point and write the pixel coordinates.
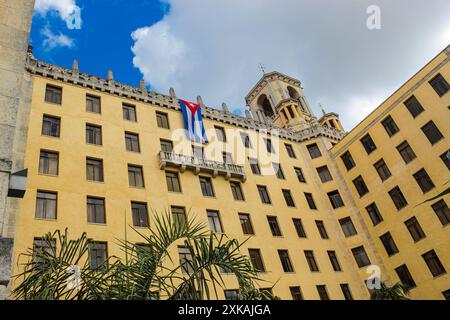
(36, 67)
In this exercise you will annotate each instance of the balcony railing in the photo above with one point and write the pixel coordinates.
(229, 170)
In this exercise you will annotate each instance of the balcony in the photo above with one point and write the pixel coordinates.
(174, 160)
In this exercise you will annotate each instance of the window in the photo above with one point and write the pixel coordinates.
(173, 181)
(254, 166)
(368, 144)
(382, 169)
(299, 174)
(442, 211)
(198, 152)
(390, 126)
(405, 276)
(432, 132)
(178, 215)
(445, 157)
(227, 157)
(93, 134)
(93, 104)
(96, 210)
(166, 145)
(206, 186)
(314, 151)
(296, 293)
(433, 263)
(140, 214)
(310, 200)
(322, 231)
(414, 106)
(162, 120)
(290, 151)
(48, 163)
(285, 261)
(53, 94)
(347, 227)
(256, 259)
(214, 221)
(129, 112)
(236, 190)
(135, 176)
(264, 194)
(423, 180)
(398, 198)
(246, 140)
(185, 260)
(278, 171)
(274, 227)
(360, 186)
(346, 291)
(446, 294)
(389, 244)
(98, 254)
(43, 248)
(348, 161)
(406, 152)
(132, 142)
(324, 174)
(323, 294)
(220, 133)
(269, 146)
(51, 126)
(231, 294)
(334, 261)
(335, 199)
(288, 198)
(309, 255)
(440, 85)
(246, 223)
(94, 169)
(298, 225)
(415, 229)
(374, 213)
(46, 205)
(360, 256)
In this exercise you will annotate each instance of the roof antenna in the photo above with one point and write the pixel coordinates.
(321, 108)
(262, 68)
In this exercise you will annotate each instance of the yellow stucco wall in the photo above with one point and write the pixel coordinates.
(73, 188)
(428, 157)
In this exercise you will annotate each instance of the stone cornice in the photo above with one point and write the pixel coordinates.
(275, 75)
(110, 86)
(328, 114)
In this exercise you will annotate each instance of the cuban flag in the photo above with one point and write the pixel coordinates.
(193, 122)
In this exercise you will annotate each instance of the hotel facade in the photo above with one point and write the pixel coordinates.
(322, 210)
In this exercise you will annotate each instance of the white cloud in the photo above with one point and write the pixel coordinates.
(53, 41)
(66, 9)
(213, 48)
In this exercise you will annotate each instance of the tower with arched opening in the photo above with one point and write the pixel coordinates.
(279, 99)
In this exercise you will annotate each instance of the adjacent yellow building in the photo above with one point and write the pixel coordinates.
(102, 155)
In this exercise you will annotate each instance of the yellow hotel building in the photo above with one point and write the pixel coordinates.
(323, 209)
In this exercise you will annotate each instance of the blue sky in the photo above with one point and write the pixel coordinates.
(213, 48)
(104, 40)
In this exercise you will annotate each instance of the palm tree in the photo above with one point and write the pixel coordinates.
(60, 268)
(397, 292)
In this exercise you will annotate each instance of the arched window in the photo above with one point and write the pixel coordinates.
(293, 93)
(265, 105)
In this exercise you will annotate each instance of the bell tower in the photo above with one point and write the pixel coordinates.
(279, 99)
